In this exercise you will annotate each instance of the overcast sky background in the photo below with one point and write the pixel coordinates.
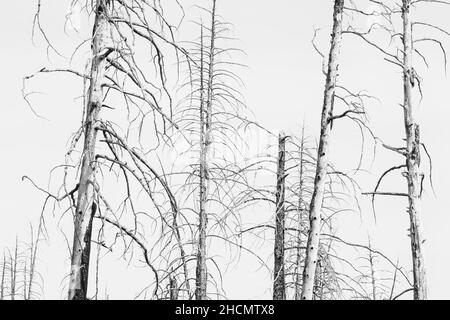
(284, 87)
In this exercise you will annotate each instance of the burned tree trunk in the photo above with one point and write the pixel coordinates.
(201, 272)
(413, 175)
(300, 216)
(322, 156)
(205, 145)
(173, 287)
(86, 205)
(279, 285)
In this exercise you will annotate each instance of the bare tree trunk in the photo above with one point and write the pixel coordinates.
(279, 285)
(298, 273)
(33, 255)
(372, 272)
(205, 141)
(14, 272)
(25, 280)
(319, 281)
(2, 288)
(322, 156)
(414, 177)
(173, 286)
(86, 205)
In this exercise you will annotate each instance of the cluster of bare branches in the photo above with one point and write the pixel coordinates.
(160, 164)
(210, 173)
(124, 93)
(20, 278)
(405, 38)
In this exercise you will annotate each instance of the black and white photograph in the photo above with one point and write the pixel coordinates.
(220, 157)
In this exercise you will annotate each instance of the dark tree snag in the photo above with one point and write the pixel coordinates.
(86, 206)
(322, 156)
(413, 174)
(279, 285)
(173, 286)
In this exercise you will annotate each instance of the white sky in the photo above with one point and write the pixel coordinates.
(284, 85)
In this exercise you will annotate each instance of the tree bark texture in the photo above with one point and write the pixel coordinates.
(205, 149)
(300, 217)
(322, 156)
(413, 174)
(86, 204)
(279, 285)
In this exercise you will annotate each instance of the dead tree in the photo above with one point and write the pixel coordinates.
(298, 181)
(322, 155)
(117, 81)
(279, 286)
(201, 272)
(373, 278)
(211, 116)
(19, 274)
(398, 23)
(413, 176)
(378, 277)
(3, 281)
(173, 287)
(301, 214)
(14, 262)
(86, 206)
(205, 150)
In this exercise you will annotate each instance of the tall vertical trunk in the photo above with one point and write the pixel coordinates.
(14, 272)
(2, 285)
(322, 155)
(300, 214)
(24, 288)
(86, 206)
(201, 270)
(372, 273)
(413, 174)
(279, 285)
(33, 255)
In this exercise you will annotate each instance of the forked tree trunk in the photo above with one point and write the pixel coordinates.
(279, 285)
(86, 206)
(413, 174)
(322, 156)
